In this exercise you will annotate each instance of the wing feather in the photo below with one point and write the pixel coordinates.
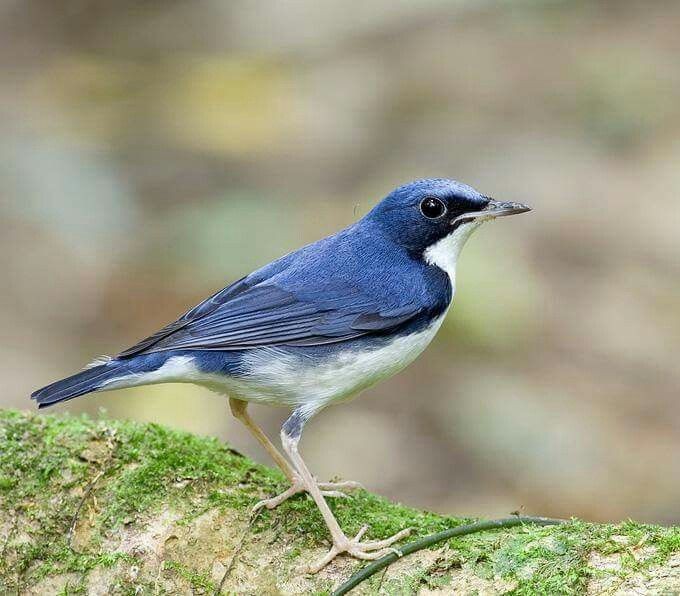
(251, 314)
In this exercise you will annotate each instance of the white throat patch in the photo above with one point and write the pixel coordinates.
(444, 253)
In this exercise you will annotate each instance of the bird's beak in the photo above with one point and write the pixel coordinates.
(493, 210)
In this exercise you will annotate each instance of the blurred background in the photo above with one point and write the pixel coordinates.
(153, 152)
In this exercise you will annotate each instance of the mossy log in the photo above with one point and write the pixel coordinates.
(109, 507)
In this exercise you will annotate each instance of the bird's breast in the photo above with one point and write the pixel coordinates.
(297, 377)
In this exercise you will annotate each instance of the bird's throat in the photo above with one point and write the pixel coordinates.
(445, 252)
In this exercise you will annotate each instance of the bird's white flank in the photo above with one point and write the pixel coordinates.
(281, 378)
(177, 369)
(278, 377)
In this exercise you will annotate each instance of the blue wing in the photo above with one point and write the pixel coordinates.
(249, 314)
(345, 286)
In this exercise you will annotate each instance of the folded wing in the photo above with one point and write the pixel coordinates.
(249, 314)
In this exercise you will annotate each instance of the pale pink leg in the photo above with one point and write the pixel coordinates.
(368, 550)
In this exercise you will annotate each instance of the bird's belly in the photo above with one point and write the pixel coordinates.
(293, 377)
(276, 376)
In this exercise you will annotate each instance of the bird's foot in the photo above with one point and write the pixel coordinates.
(366, 551)
(328, 489)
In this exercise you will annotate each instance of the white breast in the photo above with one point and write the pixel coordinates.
(275, 376)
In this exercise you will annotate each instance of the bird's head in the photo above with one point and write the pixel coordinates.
(433, 218)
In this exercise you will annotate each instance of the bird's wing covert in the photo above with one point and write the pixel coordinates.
(246, 315)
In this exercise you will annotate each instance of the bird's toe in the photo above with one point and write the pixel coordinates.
(368, 550)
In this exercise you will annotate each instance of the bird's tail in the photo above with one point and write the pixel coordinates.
(87, 381)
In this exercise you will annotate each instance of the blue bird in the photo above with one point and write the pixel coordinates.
(315, 328)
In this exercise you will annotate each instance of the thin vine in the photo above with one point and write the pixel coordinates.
(428, 541)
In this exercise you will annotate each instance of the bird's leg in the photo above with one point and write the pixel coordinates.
(367, 550)
(239, 409)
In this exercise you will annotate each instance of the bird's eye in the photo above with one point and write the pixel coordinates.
(432, 208)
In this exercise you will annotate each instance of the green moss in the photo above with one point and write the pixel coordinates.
(157, 462)
(72, 590)
(198, 581)
(62, 559)
(47, 464)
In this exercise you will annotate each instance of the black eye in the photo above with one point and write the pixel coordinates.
(432, 208)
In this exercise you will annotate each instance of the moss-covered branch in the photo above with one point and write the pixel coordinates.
(116, 507)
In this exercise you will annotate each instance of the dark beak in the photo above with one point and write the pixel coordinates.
(499, 209)
(493, 210)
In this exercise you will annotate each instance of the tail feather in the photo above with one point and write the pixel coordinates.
(86, 381)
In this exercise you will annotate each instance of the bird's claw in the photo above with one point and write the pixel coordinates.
(366, 551)
(328, 489)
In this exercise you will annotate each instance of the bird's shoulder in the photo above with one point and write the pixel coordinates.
(357, 260)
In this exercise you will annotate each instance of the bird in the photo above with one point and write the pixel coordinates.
(315, 328)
